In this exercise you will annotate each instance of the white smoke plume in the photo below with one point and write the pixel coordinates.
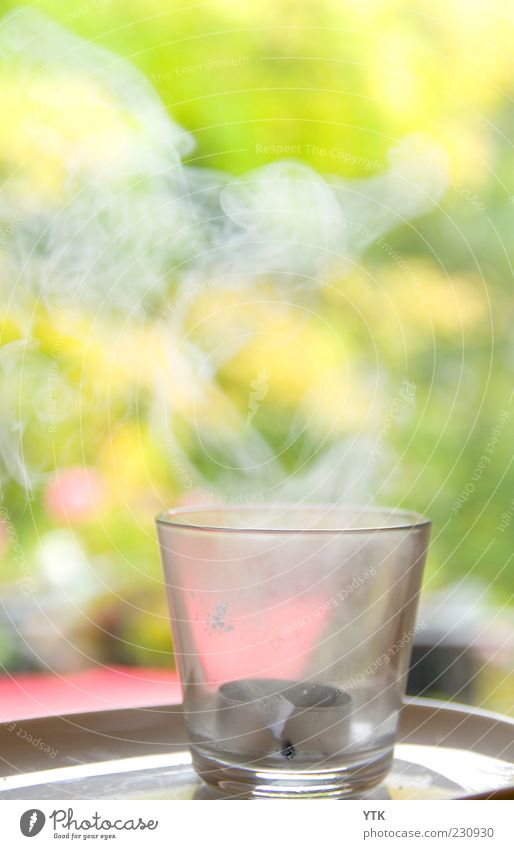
(98, 212)
(36, 400)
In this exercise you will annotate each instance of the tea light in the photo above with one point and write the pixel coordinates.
(263, 717)
(251, 715)
(319, 723)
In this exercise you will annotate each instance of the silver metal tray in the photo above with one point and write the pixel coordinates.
(444, 752)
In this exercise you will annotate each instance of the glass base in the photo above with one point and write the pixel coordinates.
(248, 781)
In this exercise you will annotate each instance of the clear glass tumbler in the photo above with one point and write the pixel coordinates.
(292, 629)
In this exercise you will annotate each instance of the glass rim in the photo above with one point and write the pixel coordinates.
(406, 519)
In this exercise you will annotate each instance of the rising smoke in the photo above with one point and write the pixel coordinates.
(99, 213)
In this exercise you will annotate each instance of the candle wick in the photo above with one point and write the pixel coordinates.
(288, 750)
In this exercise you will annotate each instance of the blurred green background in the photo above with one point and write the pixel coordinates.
(334, 85)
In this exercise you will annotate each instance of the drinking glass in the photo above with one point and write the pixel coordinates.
(292, 629)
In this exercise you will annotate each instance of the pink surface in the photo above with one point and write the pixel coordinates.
(104, 688)
(268, 648)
